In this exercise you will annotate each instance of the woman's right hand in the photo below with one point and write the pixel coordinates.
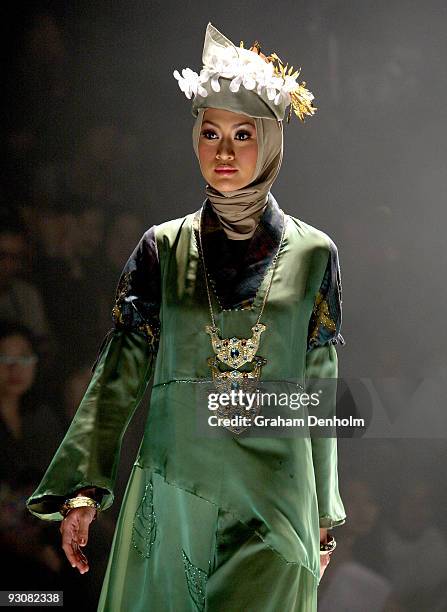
(74, 529)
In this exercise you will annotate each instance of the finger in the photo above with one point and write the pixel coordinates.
(69, 542)
(84, 524)
(323, 565)
(67, 538)
(82, 561)
(81, 536)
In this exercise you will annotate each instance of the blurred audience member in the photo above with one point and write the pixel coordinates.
(20, 300)
(68, 270)
(122, 234)
(30, 432)
(104, 166)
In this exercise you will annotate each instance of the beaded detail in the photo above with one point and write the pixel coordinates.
(210, 380)
(196, 579)
(152, 334)
(121, 292)
(144, 526)
(321, 317)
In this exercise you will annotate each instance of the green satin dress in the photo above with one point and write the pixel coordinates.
(213, 524)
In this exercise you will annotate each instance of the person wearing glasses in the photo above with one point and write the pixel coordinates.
(30, 432)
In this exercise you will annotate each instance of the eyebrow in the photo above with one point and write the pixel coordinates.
(234, 125)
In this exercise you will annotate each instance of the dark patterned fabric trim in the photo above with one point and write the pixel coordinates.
(236, 280)
(138, 295)
(326, 318)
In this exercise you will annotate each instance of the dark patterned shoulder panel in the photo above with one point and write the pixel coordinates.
(138, 293)
(326, 318)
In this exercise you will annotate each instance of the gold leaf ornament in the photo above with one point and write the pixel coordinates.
(301, 97)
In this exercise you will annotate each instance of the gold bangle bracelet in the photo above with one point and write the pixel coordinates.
(78, 502)
(329, 546)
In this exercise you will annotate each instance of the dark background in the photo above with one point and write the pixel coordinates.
(92, 119)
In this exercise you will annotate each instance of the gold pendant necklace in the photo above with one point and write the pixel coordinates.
(235, 352)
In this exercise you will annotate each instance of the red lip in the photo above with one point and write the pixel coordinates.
(225, 169)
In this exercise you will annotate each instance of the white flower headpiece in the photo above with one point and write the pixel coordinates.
(266, 75)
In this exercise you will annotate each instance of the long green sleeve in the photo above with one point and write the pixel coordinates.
(89, 454)
(321, 379)
(90, 451)
(322, 363)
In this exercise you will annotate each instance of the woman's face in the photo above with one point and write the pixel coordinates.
(227, 141)
(18, 376)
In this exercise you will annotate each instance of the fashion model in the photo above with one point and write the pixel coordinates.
(234, 293)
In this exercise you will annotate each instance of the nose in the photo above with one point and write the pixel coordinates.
(225, 150)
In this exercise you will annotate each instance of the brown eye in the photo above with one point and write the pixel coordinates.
(207, 133)
(244, 133)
